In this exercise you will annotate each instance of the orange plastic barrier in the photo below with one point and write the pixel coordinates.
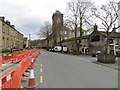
(0, 60)
(16, 56)
(13, 78)
(10, 80)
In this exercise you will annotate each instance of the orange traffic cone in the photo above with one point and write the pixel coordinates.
(31, 81)
(32, 63)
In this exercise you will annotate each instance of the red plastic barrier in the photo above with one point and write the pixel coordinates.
(10, 80)
(24, 64)
(16, 56)
(0, 60)
(13, 78)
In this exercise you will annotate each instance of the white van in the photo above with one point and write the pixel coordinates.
(60, 49)
(57, 48)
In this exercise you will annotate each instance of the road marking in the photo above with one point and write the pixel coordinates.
(41, 65)
(41, 70)
(41, 79)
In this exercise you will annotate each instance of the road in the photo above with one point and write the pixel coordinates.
(54, 70)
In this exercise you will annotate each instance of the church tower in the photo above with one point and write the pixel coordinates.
(57, 26)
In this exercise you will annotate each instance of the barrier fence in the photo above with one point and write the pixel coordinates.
(16, 56)
(0, 60)
(13, 78)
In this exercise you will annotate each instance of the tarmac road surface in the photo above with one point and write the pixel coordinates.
(55, 70)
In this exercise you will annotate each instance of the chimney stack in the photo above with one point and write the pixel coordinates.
(8, 22)
(13, 26)
(2, 18)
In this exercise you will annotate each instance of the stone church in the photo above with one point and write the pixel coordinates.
(92, 39)
(60, 32)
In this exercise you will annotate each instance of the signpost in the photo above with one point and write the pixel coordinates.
(114, 46)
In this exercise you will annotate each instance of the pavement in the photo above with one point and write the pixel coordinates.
(94, 60)
(113, 66)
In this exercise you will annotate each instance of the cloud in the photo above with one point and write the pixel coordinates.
(29, 15)
(20, 16)
(30, 25)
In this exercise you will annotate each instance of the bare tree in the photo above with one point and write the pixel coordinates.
(45, 31)
(79, 15)
(108, 14)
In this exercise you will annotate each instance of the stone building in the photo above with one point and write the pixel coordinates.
(119, 15)
(92, 39)
(38, 43)
(60, 32)
(57, 26)
(9, 36)
(97, 41)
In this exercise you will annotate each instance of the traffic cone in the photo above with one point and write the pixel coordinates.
(31, 81)
(32, 63)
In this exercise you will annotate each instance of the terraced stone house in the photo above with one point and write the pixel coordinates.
(9, 36)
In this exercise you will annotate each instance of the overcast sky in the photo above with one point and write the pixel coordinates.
(29, 15)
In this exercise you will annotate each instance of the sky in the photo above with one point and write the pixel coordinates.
(29, 15)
